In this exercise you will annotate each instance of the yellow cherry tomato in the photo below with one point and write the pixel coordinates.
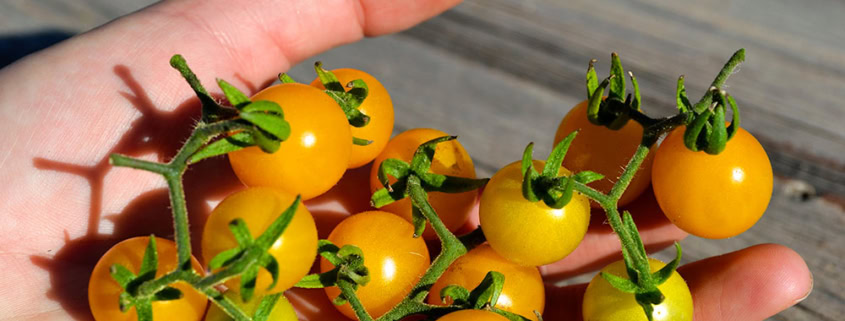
(314, 156)
(395, 259)
(525, 232)
(713, 196)
(258, 207)
(450, 158)
(603, 302)
(104, 292)
(377, 106)
(604, 151)
(523, 291)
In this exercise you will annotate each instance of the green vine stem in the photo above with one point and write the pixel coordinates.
(172, 172)
(726, 71)
(452, 246)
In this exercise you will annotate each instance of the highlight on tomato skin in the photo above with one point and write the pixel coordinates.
(315, 155)
(604, 151)
(450, 158)
(104, 292)
(378, 106)
(603, 302)
(395, 259)
(258, 207)
(525, 232)
(713, 196)
(523, 291)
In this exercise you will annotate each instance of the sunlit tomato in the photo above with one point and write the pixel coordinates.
(378, 106)
(604, 151)
(523, 292)
(530, 233)
(315, 155)
(472, 315)
(713, 196)
(104, 292)
(258, 207)
(450, 158)
(395, 259)
(282, 311)
(603, 302)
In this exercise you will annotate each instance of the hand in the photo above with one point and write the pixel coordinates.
(111, 90)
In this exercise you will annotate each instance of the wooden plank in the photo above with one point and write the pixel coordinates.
(25, 16)
(541, 46)
(501, 73)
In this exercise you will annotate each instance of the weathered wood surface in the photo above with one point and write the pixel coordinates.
(501, 73)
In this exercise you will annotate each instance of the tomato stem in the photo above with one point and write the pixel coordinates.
(348, 291)
(452, 246)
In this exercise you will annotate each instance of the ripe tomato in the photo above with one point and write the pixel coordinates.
(315, 155)
(377, 105)
(396, 260)
(472, 315)
(604, 151)
(104, 291)
(295, 250)
(713, 196)
(603, 302)
(450, 158)
(523, 292)
(525, 232)
(282, 311)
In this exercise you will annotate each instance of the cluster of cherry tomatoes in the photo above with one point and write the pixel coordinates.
(709, 196)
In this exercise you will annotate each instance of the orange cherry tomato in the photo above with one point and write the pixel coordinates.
(396, 260)
(604, 151)
(295, 250)
(104, 292)
(450, 158)
(315, 155)
(713, 196)
(377, 106)
(523, 292)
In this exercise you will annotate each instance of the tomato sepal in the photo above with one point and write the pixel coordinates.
(681, 99)
(665, 272)
(458, 294)
(251, 254)
(360, 141)
(617, 82)
(708, 131)
(419, 167)
(237, 98)
(131, 282)
(488, 291)
(555, 191)
(349, 101)
(592, 78)
(286, 79)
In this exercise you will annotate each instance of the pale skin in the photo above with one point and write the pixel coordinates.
(65, 109)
